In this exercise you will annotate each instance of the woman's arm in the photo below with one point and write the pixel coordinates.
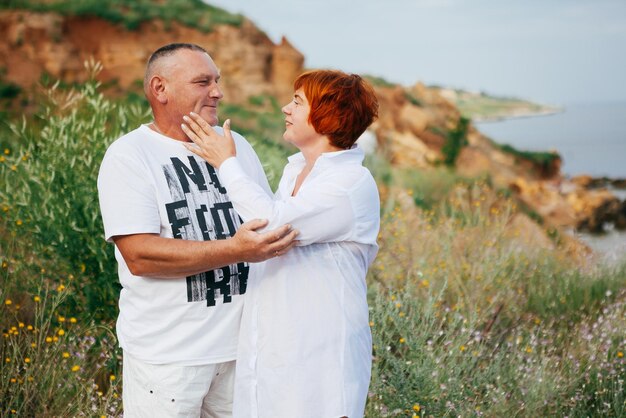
(322, 213)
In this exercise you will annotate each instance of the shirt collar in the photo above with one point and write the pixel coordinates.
(355, 154)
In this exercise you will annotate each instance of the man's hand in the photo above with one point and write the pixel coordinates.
(255, 246)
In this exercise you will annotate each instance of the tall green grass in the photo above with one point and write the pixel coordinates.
(49, 191)
(469, 318)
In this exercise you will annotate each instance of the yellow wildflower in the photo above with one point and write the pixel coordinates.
(8, 302)
(37, 299)
(73, 320)
(27, 360)
(620, 354)
(416, 408)
(402, 340)
(462, 348)
(66, 355)
(48, 339)
(7, 151)
(61, 319)
(112, 377)
(75, 368)
(7, 360)
(21, 324)
(61, 332)
(60, 288)
(34, 345)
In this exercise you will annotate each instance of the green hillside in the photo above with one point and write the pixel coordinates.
(192, 13)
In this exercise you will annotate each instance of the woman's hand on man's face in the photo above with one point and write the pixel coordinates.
(207, 143)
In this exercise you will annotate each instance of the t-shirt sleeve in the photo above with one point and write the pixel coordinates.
(320, 214)
(127, 198)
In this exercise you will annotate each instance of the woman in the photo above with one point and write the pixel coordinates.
(305, 344)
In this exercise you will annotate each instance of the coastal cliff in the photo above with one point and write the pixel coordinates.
(418, 127)
(34, 44)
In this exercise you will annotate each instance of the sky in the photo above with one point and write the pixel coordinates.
(549, 51)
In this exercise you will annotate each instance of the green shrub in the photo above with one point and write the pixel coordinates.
(545, 160)
(378, 81)
(456, 139)
(9, 91)
(50, 191)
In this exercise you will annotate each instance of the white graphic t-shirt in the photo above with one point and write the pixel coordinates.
(150, 183)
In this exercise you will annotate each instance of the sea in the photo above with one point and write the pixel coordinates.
(591, 139)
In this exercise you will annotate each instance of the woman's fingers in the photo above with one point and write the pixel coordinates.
(226, 128)
(202, 124)
(190, 132)
(195, 127)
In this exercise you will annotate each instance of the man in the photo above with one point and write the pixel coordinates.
(181, 250)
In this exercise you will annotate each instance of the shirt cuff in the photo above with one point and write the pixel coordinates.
(230, 171)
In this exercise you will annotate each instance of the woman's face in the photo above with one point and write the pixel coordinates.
(298, 130)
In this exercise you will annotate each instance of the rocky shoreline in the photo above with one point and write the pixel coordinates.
(611, 214)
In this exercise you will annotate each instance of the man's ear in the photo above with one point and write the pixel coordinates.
(157, 88)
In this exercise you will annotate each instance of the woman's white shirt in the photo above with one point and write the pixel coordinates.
(305, 343)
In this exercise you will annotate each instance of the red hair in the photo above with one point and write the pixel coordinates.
(342, 105)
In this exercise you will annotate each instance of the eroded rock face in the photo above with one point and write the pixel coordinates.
(250, 62)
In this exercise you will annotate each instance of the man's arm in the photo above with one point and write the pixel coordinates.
(150, 255)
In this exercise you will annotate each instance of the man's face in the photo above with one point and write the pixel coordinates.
(192, 86)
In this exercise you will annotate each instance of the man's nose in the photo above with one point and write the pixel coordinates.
(216, 92)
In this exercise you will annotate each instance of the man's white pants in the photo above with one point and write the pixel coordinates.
(166, 390)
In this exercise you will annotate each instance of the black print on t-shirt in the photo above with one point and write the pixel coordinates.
(200, 211)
